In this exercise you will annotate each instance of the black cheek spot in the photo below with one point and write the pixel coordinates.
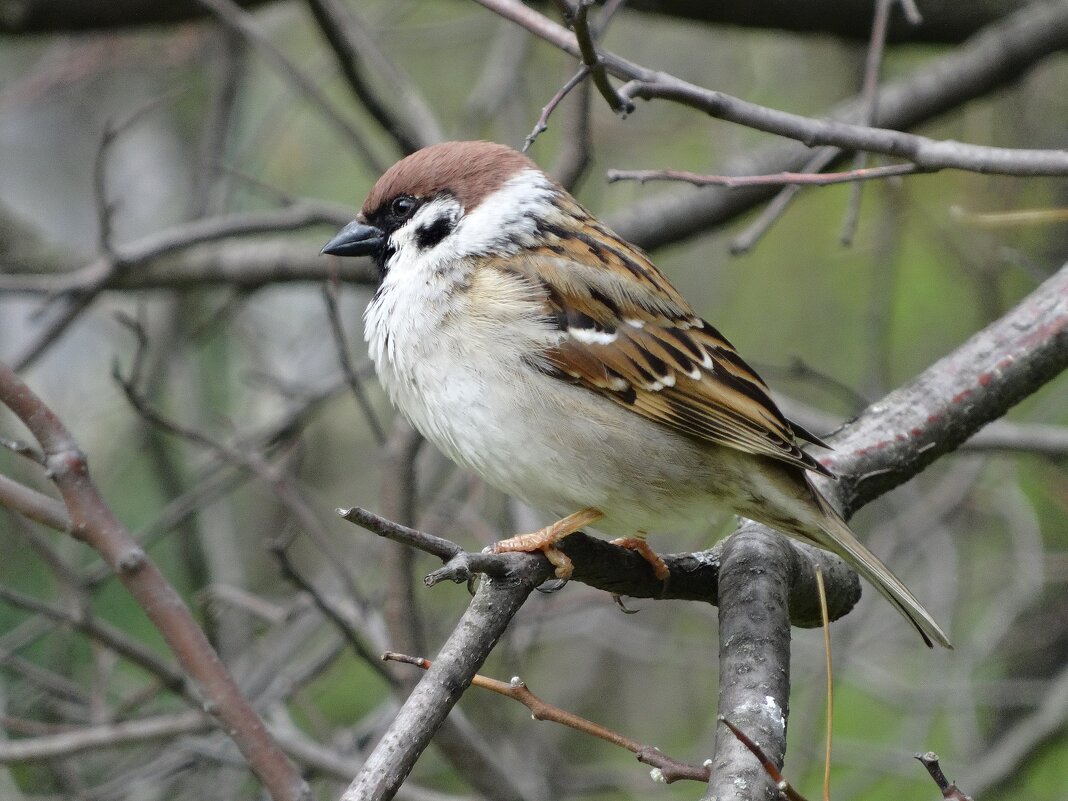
(430, 234)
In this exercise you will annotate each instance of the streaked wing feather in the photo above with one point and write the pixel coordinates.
(663, 362)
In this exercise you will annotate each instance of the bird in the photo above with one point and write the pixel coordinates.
(533, 345)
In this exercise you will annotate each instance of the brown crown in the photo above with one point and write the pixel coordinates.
(469, 170)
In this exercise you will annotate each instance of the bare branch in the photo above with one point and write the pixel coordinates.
(608, 567)
(670, 770)
(578, 18)
(994, 58)
(341, 345)
(494, 605)
(109, 735)
(949, 791)
(95, 524)
(735, 181)
(542, 124)
(926, 153)
(109, 636)
(233, 16)
(352, 45)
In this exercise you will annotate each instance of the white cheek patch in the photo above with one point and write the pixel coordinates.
(506, 219)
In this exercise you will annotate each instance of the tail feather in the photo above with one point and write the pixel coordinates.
(841, 540)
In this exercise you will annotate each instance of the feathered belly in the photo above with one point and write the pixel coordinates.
(557, 447)
(560, 448)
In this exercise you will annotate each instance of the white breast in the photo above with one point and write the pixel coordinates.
(464, 385)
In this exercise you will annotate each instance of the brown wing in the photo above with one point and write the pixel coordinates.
(640, 344)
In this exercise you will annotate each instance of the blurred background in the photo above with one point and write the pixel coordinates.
(131, 155)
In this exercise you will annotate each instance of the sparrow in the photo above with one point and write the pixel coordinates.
(536, 347)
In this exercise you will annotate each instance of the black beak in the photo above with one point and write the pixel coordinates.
(355, 239)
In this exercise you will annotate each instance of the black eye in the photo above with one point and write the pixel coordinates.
(403, 206)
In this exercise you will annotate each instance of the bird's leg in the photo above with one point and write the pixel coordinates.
(639, 544)
(545, 540)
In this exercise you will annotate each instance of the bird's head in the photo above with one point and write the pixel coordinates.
(446, 202)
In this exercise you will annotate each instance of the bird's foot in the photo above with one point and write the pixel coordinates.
(545, 540)
(660, 568)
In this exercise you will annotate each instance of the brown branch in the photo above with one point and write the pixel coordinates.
(669, 769)
(95, 524)
(781, 784)
(736, 181)
(33, 504)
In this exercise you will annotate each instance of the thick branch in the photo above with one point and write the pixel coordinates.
(608, 567)
(485, 620)
(951, 400)
(754, 661)
(889, 443)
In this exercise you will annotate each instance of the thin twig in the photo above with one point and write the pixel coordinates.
(280, 549)
(773, 210)
(341, 346)
(781, 784)
(113, 129)
(542, 124)
(109, 636)
(792, 178)
(949, 790)
(284, 490)
(668, 770)
(927, 153)
(578, 18)
(306, 88)
(24, 449)
(830, 685)
(870, 100)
